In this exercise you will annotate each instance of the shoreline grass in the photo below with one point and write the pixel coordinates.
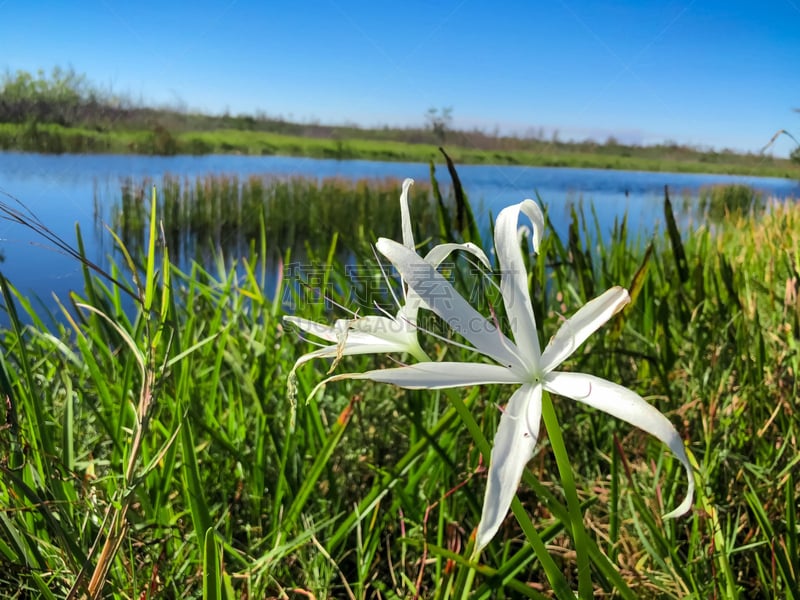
(178, 413)
(63, 111)
(225, 213)
(53, 138)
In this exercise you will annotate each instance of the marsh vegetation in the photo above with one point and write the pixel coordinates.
(156, 452)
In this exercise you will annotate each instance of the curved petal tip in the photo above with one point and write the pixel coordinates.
(685, 506)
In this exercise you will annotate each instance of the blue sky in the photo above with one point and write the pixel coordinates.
(710, 73)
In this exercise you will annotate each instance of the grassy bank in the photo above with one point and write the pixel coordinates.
(160, 141)
(157, 453)
(63, 112)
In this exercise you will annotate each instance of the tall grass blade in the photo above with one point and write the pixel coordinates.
(465, 220)
(320, 464)
(150, 265)
(193, 488)
(678, 251)
(212, 580)
(444, 218)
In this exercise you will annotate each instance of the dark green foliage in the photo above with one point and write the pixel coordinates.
(162, 142)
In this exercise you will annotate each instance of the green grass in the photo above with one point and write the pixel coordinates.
(64, 112)
(155, 453)
(55, 138)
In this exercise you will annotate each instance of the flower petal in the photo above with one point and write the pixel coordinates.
(405, 215)
(326, 332)
(350, 349)
(513, 448)
(401, 331)
(438, 253)
(363, 335)
(443, 299)
(514, 277)
(353, 347)
(439, 375)
(361, 330)
(383, 327)
(588, 319)
(624, 404)
(435, 256)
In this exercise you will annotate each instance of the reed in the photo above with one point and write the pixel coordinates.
(226, 214)
(718, 201)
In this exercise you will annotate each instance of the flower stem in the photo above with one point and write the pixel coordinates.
(579, 535)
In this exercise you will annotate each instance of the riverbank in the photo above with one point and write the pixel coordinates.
(63, 112)
(343, 144)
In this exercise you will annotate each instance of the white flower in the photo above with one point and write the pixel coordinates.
(377, 334)
(520, 362)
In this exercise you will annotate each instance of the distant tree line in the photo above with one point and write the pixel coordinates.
(63, 98)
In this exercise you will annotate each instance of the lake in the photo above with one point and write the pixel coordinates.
(62, 190)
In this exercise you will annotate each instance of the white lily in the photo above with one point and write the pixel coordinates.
(378, 334)
(520, 362)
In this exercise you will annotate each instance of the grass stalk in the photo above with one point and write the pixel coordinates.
(579, 535)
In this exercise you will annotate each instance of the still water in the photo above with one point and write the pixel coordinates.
(61, 191)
